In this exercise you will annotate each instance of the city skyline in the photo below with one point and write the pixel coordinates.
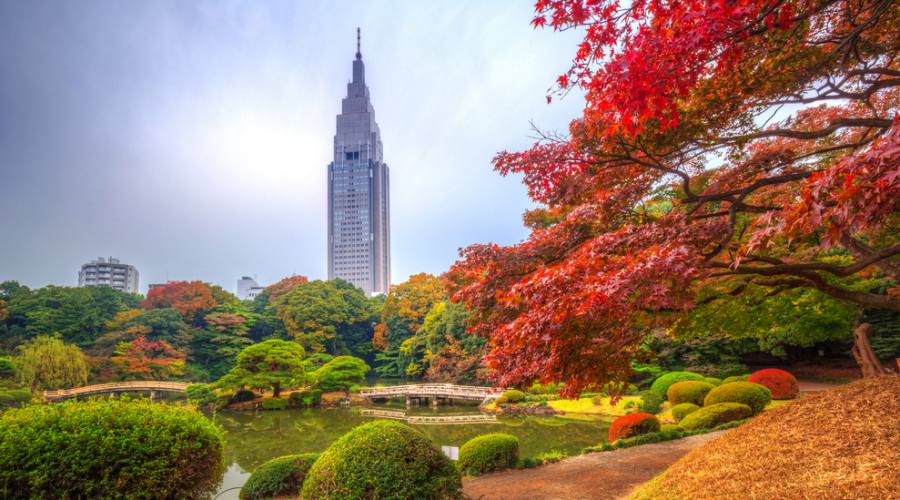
(188, 140)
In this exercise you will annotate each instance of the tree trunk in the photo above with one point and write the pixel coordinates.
(862, 352)
(276, 389)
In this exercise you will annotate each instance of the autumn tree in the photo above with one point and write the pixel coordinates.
(273, 364)
(215, 347)
(144, 359)
(48, 363)
(285, 285)
(754, 141)
(451, 353)
(192, 299)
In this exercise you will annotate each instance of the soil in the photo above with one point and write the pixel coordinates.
(604, 475)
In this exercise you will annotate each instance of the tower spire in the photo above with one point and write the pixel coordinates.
(358, 51)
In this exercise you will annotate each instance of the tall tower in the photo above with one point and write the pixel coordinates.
(359, 227)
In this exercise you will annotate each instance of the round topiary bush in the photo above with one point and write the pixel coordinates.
(513, 396)
(282, 476)
(382, 459)
(670, 428)
(661, 385)
(108, 448)
(782, 384)
(753, 395)
(713, 415)
(689, 391)
(632, 425)
(682, 410)
(488, 452)
(713, 380)
(736, 378)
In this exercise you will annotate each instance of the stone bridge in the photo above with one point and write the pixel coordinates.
(151, 386)
(433, 392)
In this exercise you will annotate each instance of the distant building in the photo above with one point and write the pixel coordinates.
(359, 228)
(109, 272)
(248, 288)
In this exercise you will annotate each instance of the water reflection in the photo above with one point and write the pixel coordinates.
(253, 437)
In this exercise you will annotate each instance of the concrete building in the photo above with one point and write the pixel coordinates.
(109, 272)
(248, 288)
(359, 228)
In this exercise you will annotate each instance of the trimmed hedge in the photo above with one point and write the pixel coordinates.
(689, 391)
(488, 452)
(753, 395)
(282, 476)
(513, 396)
(650, 402)
(275, 404)
(661, 385)
(716, 414)
(382, 459)
(713, 380)
(782, 384)
(666, 433)
(632, 425)
(736, 378)
(682, 410)
(109, 448)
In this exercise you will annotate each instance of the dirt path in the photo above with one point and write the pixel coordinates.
(594, 476)
(811, 386)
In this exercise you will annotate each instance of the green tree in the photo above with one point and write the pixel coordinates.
(275, 364)
(341, 373)
(48, 363)
(215, 347)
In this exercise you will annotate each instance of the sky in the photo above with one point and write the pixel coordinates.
(191, 139)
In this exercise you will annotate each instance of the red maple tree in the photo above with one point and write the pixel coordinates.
(190, 298)
(754, 141)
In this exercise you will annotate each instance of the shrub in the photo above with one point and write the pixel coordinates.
(500, 400)
(632, 425)
(669, 428)
(282, 476)
(382, 459)
(306, 399)
(650, 402)
(689, 391)
(200, 394)
(682, 410)
(488, 453)
(661, 385)
(713, 415)
(551, 388)
(753, 395)
(712, 380)
(242, 395)
(513, 396)
(274, 404)
(782, 384)
(108, 448)
(736, 378)
(7, 367)
(14, 397)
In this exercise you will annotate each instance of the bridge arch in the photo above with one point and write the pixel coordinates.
(151, 386)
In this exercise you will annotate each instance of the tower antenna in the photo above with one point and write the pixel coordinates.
(358, 51)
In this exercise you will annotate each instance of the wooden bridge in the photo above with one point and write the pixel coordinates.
(433, 392)
(151, 386)
(475, 418)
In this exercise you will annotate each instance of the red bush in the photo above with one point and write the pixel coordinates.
(782, 384)
(632, 425)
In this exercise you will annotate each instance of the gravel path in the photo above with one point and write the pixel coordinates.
(603, 475)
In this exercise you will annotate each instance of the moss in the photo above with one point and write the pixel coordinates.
(713, 415)
(282, 476)
(753, 395)
(382, 459)
(682, 410)
(489, 452)
(661, 385)
(688, 391)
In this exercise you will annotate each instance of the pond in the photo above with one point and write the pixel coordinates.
(253, 437)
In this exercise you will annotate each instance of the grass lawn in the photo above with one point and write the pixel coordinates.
(587, 406)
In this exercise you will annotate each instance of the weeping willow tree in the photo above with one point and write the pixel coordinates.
(48, 363)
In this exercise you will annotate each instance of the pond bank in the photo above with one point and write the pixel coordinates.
(605, 475)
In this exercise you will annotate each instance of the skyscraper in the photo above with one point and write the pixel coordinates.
(359, 228)
(109, 272)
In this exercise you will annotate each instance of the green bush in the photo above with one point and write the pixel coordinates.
(382, 459)
(501, 400)
(513, 396)
(689, 391)
(713, 415)
(306, 399)
(550, 388)
(661, 385)
(668, 428)
(7, 368)
(488, 452)
(620, 388)
(109, 448)
(736, 378)
(274, 404)
(243, 395)
(200, 394)
(682, 410)
(14, 397)
(712, 380)
(650, 402)
(282, 476)
(753, 395)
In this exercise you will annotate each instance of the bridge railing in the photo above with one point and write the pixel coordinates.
(137, 385)
(431, 390)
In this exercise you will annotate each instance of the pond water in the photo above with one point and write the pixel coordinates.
(251, 438)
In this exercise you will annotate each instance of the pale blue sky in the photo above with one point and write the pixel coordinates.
(191, 138)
